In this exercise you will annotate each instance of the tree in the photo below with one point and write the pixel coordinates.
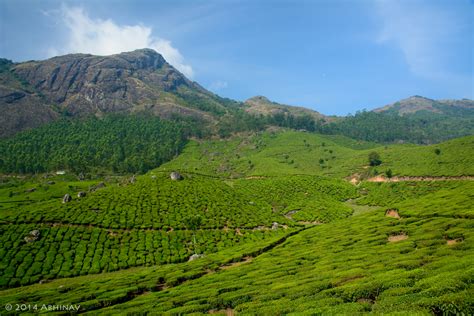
(437, 151)
(389, 173)
(374, 159)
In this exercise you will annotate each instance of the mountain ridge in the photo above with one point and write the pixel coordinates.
(418, 103)
(34, 93)
(262, 105)
(82, 84)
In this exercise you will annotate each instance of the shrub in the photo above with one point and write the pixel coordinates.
(374, 159)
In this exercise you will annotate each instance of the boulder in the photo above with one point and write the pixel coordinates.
(50, 182)
(67, 198)
(32, 236)
(195, 256)
(133, 179)
(97, 186)
(274, 225)
(176, 176)
(81, 194)
(31, 190)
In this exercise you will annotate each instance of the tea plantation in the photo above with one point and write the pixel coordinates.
(271, 221)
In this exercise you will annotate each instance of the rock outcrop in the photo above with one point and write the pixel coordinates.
(37, 92)
(67, 198)
(176, 176)
(195, 256)
(32, 236)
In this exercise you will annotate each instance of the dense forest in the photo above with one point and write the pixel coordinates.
(422, 127)
(130, 144)
(122, 144)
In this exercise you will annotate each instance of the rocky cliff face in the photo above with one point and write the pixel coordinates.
(36, 92)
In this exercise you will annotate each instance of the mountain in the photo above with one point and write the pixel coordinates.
(417, 103)
(37, 92)
(34, 93)
(261, 105)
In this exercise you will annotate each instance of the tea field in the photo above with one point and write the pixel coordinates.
(292, 153)
(271, 222)
(351, 266)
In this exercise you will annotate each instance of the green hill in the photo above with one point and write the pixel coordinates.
(270, 220)
(287, 153)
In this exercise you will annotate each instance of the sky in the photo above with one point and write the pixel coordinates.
(333, 56)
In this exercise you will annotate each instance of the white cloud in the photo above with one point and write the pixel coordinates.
(218, 85)
(105, 37)
(425, 33)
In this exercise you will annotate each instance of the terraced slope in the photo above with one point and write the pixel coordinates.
(278, 237)
(151, 220)
(419, 262)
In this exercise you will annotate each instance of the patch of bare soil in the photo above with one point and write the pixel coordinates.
(395, 238)
(392, 213)
(354, 181)
(381, 178)
(451, 242)
(255, 177)
(227, 312)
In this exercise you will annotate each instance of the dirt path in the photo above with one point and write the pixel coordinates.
(408, 178)
(354, 179)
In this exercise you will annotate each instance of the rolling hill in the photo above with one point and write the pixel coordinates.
(259, 224)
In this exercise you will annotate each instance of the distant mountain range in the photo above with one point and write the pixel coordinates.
(37, 92)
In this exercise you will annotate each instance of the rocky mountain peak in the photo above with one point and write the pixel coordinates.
(143, 58)
(258, 98)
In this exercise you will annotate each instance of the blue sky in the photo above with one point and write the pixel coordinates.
(335, 56)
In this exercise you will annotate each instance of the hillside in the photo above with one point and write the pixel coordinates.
(261, 105)
(271, 225)
(292, 153)
(418, 103)
(37, 92)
